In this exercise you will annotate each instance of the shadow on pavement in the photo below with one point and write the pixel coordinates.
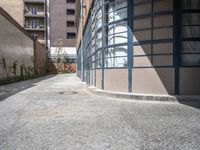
(11, 89)
(190, 101)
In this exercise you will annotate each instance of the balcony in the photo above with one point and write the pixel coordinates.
(35, 27)
(34, 1)
(34, 15)
(37, 11)
(42, 41)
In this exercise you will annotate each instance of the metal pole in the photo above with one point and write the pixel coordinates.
(130, 43)
(103, 44)
(177, 43)
(81, 32)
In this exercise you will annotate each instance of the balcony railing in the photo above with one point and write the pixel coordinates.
(42, 41)
(38, 14)
(35, 27)
(34, 1)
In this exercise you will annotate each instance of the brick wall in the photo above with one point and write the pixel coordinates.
(62, 68)
(58, 19)
(40, 58)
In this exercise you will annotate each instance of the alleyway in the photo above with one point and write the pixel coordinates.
(57, 113)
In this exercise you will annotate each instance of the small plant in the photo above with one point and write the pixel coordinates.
(4, 66)
(29, 70)
(14, 68)
(22, 70)
(40, 26)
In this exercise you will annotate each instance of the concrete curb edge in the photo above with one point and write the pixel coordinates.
(146, 97)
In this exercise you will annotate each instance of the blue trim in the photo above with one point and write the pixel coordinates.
(177, 43)
(130, 43)
(152, 29)
(103, 43)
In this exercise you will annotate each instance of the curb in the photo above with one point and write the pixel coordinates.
(145, 97)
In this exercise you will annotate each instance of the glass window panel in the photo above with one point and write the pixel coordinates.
(164, 20)
(190, 4)
(117, 38)
(142, 9)
(99, 23)
(190, 59)
(99, 3)
(117, 15)
(162, 60)
(163, 48)
(189, 32)
(142, 35)
(139, 1)
(117, 28)
(98, 35)
(190, 19)
(116, 62)
(142, 23)
(116, 51)
(99, 43)
(164, 33)
(190, 46)
(163, 5)
(144, 49)
(98, 55)
(144, 61)
(116, 4)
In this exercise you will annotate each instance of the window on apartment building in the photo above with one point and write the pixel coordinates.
(70, 1)
(70, 23)
(70, 12)
(71, 35)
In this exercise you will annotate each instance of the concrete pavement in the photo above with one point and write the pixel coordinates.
(57, 113)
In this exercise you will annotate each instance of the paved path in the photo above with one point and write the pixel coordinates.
(56, 113)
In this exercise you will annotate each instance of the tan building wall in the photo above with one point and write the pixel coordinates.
(98, 78)
(15, 8)
(153, 81)
(116, 80)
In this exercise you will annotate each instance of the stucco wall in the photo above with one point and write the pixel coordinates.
(98, 78)
(15, 46)
(153, 81)
(116, 80)
(14, 8)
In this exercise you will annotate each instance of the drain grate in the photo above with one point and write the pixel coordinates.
(68, 92)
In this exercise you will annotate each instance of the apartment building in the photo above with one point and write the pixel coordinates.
(140, 46)
(63, 28)
(31, 14)
(35, 19)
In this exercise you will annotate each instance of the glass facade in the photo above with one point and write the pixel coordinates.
(190, 33)
(108, 35)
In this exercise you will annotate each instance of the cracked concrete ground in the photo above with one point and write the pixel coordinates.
(56, 113)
